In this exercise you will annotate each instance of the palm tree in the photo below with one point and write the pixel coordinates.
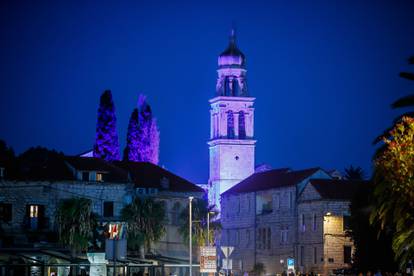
(356, 173)
(76, 223)
(404, 102)
(394, 189)
(258, 269)
(145, 218)
(200, 209)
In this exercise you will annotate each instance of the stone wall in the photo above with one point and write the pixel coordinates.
(299, 228)
(49, 194)
(321, 231)
(247, 227)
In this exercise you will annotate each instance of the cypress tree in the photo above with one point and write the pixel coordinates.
(106, 143)
(148, 135)
(131, 149)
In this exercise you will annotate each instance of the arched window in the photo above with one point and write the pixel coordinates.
(242, 126)
(227, 90)
(230, 125)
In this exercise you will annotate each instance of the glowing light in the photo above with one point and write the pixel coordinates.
(34, 211)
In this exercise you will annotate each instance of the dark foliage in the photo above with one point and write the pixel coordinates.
(356, 173)
(373, 251)
(8, 160)
(42, 164)
(404, 102)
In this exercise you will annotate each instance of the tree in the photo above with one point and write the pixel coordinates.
(372, 250)
(200, 209)
(145, 218)
(149, 136)
(394, 189)
(356, 173)
(7, 160)
(38, 163)
(404, 102)
(106, 142)
(131, 151)
(258, 269)
(76, 223)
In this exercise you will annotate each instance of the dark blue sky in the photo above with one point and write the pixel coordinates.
(324, 74)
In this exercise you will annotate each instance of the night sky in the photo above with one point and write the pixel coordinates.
(323, 73)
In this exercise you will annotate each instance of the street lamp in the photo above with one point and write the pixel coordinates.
(208, 227)
(190, 198)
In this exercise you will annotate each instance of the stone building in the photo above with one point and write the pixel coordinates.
(27, 207)
(323, 218)
(279, 214)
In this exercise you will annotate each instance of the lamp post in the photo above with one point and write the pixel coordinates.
(208, 228)
(190, 198)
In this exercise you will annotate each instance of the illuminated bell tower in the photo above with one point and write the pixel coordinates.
(231, 142)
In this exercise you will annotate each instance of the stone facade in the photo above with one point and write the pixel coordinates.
(47, 195)
(322, 225)
(261, 226)
(294, 221)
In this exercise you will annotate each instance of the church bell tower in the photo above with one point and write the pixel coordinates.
(231, 143)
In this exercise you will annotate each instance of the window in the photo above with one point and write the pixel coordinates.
(264, 203)
(34, 211)
(302, 254)
(175, 213)
(230, 125)
(263, 238)
(314, 223)
(259, 238)
(236, 237)
(1, 172)
(347, 254)
(315, 256)
(5, 212)
(85, 176)
(284, 236)
(242, 127)
(269, 238)
(277, 199)
(99, 177)
(108, 209)
(248, 237)
(237, 199)
(346, 221)
(291, 200)
(302, 223)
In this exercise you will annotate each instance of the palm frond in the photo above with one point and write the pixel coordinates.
(407, 101)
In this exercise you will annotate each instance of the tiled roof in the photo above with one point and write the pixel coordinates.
(271, 179)
(146, 174)
(337, 189)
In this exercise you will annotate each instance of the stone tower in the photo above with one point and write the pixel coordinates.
(231, 142)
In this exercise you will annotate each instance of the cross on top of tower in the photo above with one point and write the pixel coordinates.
(232, 56)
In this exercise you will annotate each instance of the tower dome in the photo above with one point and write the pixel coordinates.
(232, 56)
